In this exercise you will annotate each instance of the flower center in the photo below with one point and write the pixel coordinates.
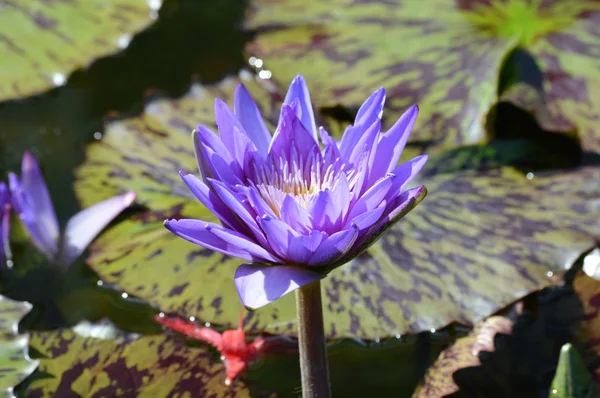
(302, 180)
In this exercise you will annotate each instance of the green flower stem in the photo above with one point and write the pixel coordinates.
(311, 338)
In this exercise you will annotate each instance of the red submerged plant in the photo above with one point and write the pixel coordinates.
(236, 353)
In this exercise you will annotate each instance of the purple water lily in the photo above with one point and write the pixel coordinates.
(4, 223)
(292, 208)
(31, 201)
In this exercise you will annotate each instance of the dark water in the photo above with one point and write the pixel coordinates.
(203, 41)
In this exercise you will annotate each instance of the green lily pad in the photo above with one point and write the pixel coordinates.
(572, 379)
(482, 238)
(14, 360)
(443, 55)
(464, 353)
(95, 360)
(44, 41)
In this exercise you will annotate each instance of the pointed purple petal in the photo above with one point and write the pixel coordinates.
(295, 215)
(258, 204)
(404, 175)
(218, 238)
(302, 247)
(232, 133)
(325, 212)
(334, 247)
(299, 91)
(233, 201)
(370, 111)
(291, 133)
(249, 116)
(34, 185)
(391, 144)
(367, 219)
(258, 285)
(373, 197)
(84, 226)
(278, 234)
(211, 201)
(395, 211)
(214, 159)
(22, 205)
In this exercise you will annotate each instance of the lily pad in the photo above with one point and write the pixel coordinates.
(464, 353)
(94, 360)
(444, 55)
(14, 360)
(572, 379)
(44, 41)
(484, 237)
(587, 289)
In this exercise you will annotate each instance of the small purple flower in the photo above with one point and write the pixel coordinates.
(31, 201)
(293, 209)
(4, 223)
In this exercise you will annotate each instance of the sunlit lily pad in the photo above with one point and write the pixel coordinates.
(14, 360)
(44, 41)
(464, 353)
(443, 55)
(94, 360)
(482, 238)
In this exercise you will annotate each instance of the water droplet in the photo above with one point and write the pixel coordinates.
(9, 263)
(549, 274)
(530, 176)
(258, 63)
(99, 283)
(124, 295)
(161, 314)
(97, 135)
(222, 357)
(59, 79)
(192, 318)
(252, 60)
(154, 4)
(377, 339)
(432, 330)
(398, 336)
(265, 74)
(207, 324)
(123, 41)
(245, 75)
(554, 391)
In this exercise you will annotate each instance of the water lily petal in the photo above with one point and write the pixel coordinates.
(247, 112)
(301, 248)
(364, 145)
(218, 238)
(84, 226)
(33, 183)
(374, 195)
(334, 247)
(369, 112)
(367, 219)
(212, 202)
(258, 285)
(299, 91)
(295, 215)
(325, 212)
(234, 202)
(291, 133)
(278, 234)
(22, 204)
(404, 175)
(391, 144)
(232, 133)
(214, 159)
